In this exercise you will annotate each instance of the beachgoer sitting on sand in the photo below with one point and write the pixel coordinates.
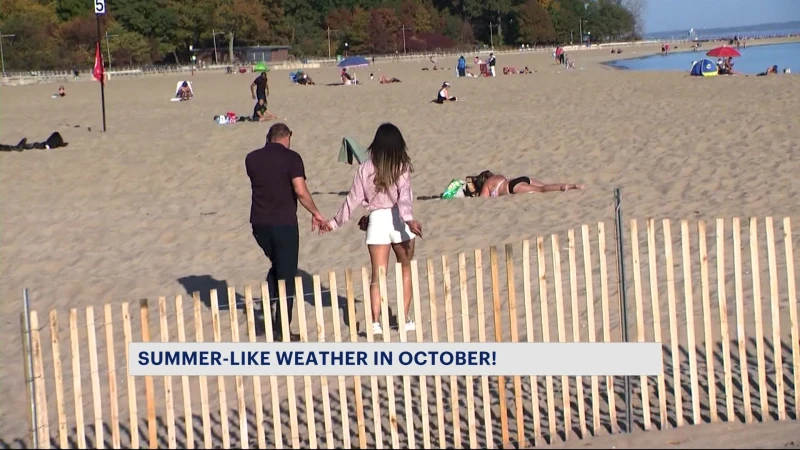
(444, 95)
(305, 80)
(61, 91)
(487, 184)
(185, 92)
(261, 113)
(346, 78)
(385, 80)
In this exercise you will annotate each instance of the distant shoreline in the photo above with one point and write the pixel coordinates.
(613, 63)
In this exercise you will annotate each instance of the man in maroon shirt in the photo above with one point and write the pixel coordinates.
(278, 181)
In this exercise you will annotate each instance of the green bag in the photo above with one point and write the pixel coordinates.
(454, 190)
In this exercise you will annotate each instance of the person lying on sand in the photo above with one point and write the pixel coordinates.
(487, 184)
(444, 95)
(770, 71)
(261, 113)
(385, 80)
(61, 91)
(305, 80)
(185, 92)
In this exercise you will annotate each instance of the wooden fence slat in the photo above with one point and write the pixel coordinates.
(387, 333)
(300, 304)
(463, 281)
(423, 382)
(43, 421)
(337, 335)
(576, 328)
(401, 321)
(435, 338)
(722, 299)
(486, 396)
(63, 441)
(249, 308)
(369, 319)
(94, 372)
(759, 320)
(707, 320)
(277, 417)
(112, 376)
(202, 380)
(791, 289)
(186, 391)
(353, 325)
(640, 332)
(144, 315)
(776, 319)
(77, 386)
(455, 419)
(562, 331)
(656, 311)
(587, 265)
(223, 395)
(294, 432)
(514, 325)
(498, 337)
(691, 346)
(674, 343)
(551, 403)
(610, 391)
(529, 331)
(131, 383)
(169, 399)
(233, 314)
(744, 373)
(326, 400)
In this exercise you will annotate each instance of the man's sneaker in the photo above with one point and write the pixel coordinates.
(376, 328)
(410, 326)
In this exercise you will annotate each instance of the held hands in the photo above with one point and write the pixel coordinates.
(318, 221)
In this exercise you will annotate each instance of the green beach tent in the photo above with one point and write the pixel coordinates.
(261, 67)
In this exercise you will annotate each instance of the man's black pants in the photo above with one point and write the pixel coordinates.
(281, 245)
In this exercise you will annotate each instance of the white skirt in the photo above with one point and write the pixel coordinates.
(386, 227)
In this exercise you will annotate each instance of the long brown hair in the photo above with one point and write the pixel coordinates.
(478, 182)
(389, 156)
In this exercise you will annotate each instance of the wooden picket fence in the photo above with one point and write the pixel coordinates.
(736, 367)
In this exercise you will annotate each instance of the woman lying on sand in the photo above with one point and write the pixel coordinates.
(488, 184)
(385, 80)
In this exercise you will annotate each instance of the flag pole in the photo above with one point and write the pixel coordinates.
(100, 9)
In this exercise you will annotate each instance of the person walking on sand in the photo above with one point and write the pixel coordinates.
(260, 87)
(278, 181)
(382, 185)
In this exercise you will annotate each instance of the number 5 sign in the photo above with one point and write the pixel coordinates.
(99, 6)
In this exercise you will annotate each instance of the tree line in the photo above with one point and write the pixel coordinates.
(59, 34)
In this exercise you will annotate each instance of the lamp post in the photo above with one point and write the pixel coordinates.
(2, 57)
(588, 39)
(108, 49)
(214, 34)
(491, 33)
(346, 45)
(404, 28)
(329, 40)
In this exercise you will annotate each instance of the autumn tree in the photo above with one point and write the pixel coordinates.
(533, 24)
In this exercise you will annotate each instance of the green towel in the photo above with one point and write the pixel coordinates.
(351, 150)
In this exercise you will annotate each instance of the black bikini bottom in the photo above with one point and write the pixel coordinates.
(516, 181)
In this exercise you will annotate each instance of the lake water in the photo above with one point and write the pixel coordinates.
(754, 59)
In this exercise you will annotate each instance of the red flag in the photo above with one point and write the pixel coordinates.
(98, 72)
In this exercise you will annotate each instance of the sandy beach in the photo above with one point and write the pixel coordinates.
(162, 196)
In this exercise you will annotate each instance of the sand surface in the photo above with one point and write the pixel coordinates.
(159, 204)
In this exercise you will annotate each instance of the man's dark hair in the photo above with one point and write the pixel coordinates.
(278, 131)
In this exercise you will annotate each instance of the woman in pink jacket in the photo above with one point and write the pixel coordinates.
(382, 185)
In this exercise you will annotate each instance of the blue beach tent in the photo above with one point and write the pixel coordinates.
(704, 68)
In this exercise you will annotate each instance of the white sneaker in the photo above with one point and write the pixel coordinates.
(376, 328)
(410, 326)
